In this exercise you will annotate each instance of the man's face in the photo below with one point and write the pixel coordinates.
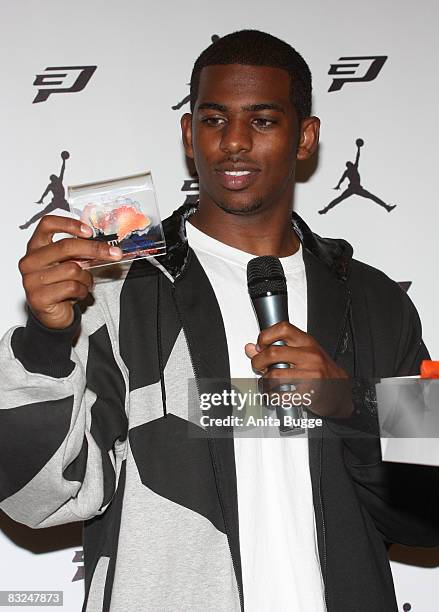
(244, 137)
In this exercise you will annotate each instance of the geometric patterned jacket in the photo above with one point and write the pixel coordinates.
(99, 433)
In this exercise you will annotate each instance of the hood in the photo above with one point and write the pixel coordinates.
(335, 253)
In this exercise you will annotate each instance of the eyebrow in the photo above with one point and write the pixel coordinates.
(264, 106)
(248, 107)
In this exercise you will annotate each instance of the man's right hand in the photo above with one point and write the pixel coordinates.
(52, 279)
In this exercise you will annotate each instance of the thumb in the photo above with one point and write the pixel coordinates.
(250, 350)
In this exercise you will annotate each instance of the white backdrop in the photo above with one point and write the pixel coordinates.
(122, 122)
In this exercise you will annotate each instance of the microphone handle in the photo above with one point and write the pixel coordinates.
(271, 309)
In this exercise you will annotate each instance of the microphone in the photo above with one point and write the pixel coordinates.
(267, 288)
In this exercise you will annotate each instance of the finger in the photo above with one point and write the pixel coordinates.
(52, 295)
(303, 381)
(293, 375)
(53, 224)
(330, 397)
(289, 333)
(276, 381)
(68, 270)
(251, 350)
(299, 357)
(68, 249)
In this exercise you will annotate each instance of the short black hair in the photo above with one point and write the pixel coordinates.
(255, 48)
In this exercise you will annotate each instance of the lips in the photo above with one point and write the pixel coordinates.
(235, 179)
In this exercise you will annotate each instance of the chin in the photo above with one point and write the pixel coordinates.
(240, 208)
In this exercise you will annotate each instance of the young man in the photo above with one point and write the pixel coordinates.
(99, 433)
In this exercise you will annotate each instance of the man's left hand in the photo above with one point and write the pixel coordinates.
(308, 362)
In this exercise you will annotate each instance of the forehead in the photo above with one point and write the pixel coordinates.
(229, 83)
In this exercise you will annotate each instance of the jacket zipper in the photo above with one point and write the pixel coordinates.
(196, 377)
(345, 324)
(323, 527)
(210, 440)
(346, 313)
(241, 601)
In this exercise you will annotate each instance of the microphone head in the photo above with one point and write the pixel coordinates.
(265, 275)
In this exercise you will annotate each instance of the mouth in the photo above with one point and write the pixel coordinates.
(237, 179)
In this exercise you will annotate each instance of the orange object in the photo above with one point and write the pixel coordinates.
(429, 369)
(128, 220)
(122, 220)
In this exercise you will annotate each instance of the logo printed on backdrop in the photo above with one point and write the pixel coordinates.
(78, 558)
(62, 79)
(355, 70)
(354, 187)
(55, 187)
(405, 285)
(191, 185)
(187, 98)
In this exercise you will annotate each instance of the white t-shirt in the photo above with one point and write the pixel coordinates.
(278, 544)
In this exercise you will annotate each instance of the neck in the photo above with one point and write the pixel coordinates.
(264, 232)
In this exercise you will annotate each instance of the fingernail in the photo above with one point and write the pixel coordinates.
(85, 229)
(258, 348)
(115, 252)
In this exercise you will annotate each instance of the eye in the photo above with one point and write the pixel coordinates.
(263, 122)
(213, 121)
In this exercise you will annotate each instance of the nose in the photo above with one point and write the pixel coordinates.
(236, 137)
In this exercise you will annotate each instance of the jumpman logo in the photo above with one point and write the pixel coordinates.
(56, 188)
(354, 188)
(187, 98)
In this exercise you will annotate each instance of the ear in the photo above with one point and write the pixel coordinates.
(186, 134)
(309, 137)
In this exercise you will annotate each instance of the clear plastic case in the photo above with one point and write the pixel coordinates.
(122, 212)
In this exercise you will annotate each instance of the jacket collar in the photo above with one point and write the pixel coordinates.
(335, 254)
(327, 264)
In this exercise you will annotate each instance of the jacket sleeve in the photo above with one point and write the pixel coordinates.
(402, 499)
(63, 422)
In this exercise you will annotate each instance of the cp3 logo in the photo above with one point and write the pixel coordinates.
(355, 69)
(63, 79)
(79, 558)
